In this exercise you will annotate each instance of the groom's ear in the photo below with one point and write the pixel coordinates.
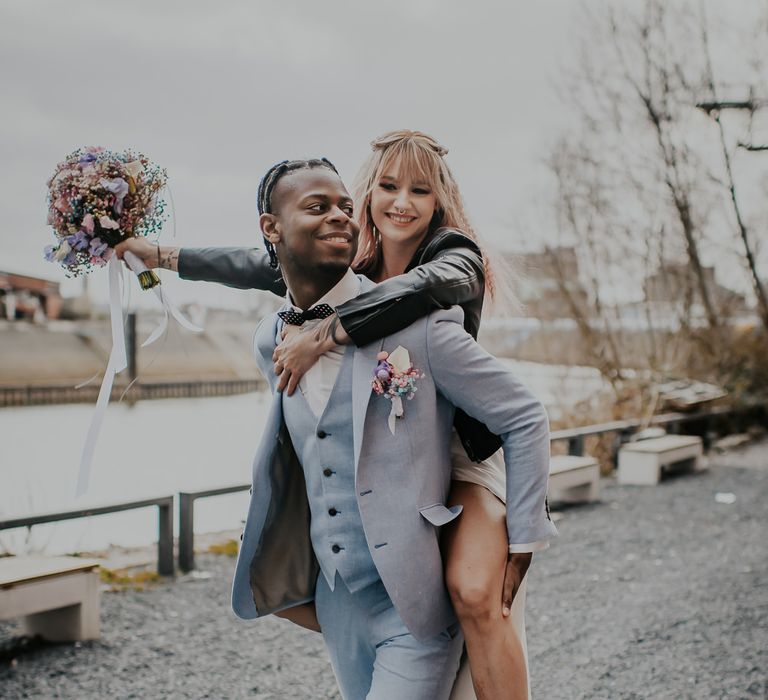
(269, 228)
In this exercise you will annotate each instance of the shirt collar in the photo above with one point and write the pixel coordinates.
(348, 287)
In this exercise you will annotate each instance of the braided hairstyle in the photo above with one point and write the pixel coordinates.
(272, 177)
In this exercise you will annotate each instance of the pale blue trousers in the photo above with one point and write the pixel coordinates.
(374, 656)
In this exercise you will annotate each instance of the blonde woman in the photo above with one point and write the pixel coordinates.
(418, 244)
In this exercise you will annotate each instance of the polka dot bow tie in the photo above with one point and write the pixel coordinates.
(297, 318)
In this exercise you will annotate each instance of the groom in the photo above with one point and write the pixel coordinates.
(344, 511)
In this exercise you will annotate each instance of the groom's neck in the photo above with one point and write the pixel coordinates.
(306, 288)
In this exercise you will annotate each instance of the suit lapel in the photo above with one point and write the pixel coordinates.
(362, 374)
(363, 365)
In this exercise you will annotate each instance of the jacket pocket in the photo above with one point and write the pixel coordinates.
(439, 515)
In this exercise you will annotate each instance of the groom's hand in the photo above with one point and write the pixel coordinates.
(517, 566)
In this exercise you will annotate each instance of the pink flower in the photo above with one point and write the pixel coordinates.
(88, 223)
(106, 222)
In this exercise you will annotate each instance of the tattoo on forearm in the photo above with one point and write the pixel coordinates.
(169, 260)
(327, 330)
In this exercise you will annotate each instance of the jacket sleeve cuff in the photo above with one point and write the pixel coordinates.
(538, 546)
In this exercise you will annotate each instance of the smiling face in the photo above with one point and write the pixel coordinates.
(402, 204)
(311, 224)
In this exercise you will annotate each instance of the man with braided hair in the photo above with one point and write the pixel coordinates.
(346, 507)
(267, 185)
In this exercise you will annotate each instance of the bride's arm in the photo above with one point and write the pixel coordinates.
(453, 274)
(242, 268)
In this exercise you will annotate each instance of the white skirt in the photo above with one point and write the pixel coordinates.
(490, 473)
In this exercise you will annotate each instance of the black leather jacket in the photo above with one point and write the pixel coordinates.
(447, 269)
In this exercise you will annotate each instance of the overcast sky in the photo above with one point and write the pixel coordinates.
(217, 92)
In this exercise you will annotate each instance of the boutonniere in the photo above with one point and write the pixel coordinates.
(395, 379)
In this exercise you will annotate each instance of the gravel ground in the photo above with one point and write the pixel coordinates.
(652, 593)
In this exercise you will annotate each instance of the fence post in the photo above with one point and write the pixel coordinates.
(576, 446)
(186, 532)
(165, 565)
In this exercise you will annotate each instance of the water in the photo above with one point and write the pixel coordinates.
(158, 448)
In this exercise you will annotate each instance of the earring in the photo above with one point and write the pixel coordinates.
(376, 239)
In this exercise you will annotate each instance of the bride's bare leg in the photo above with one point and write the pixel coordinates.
(475, 548)
(302, 615)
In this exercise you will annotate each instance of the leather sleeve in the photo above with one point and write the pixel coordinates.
(452, 276)
(242, 268)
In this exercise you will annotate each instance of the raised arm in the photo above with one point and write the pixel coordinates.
(242, 268)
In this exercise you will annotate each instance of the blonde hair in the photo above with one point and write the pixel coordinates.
(421, 156)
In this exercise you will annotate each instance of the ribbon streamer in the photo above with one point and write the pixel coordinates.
(118, 356)
(394, 413)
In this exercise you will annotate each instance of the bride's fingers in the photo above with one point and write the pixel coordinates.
(293, 383)
(508, 590)
(283, 381)
(278, 367)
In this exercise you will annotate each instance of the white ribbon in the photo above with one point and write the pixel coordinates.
(118, 356)
(394, 413)
(169, 307)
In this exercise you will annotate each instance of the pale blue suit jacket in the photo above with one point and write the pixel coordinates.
(402, 481)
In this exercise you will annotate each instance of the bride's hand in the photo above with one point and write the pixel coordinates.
(298, 351)
(302, 346)
(151, 254)
(517, 566)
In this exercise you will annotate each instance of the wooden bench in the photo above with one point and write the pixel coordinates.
(574, 479)
(645, 461)
(58, 597)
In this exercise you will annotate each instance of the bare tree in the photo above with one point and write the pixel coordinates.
(713, 108)
(641, 181)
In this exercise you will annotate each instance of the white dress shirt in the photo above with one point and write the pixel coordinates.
(317, 384)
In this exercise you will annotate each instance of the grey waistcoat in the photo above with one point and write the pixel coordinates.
(325, 449)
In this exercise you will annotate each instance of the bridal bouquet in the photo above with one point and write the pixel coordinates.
(97, 198)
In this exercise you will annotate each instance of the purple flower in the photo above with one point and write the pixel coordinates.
(383, 371)
(98, 247)
(69, 259)
(87, 158)
(79, 240)
(50, 251)
(118, 187)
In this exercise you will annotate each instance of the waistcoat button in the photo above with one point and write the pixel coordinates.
(327, 472)
(332, 511)
(321, 434)
(335, 549)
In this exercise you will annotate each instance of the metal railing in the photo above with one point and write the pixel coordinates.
(186, 558)
(165, 524)
(671, 421)
(187, 521)
(45, 395)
